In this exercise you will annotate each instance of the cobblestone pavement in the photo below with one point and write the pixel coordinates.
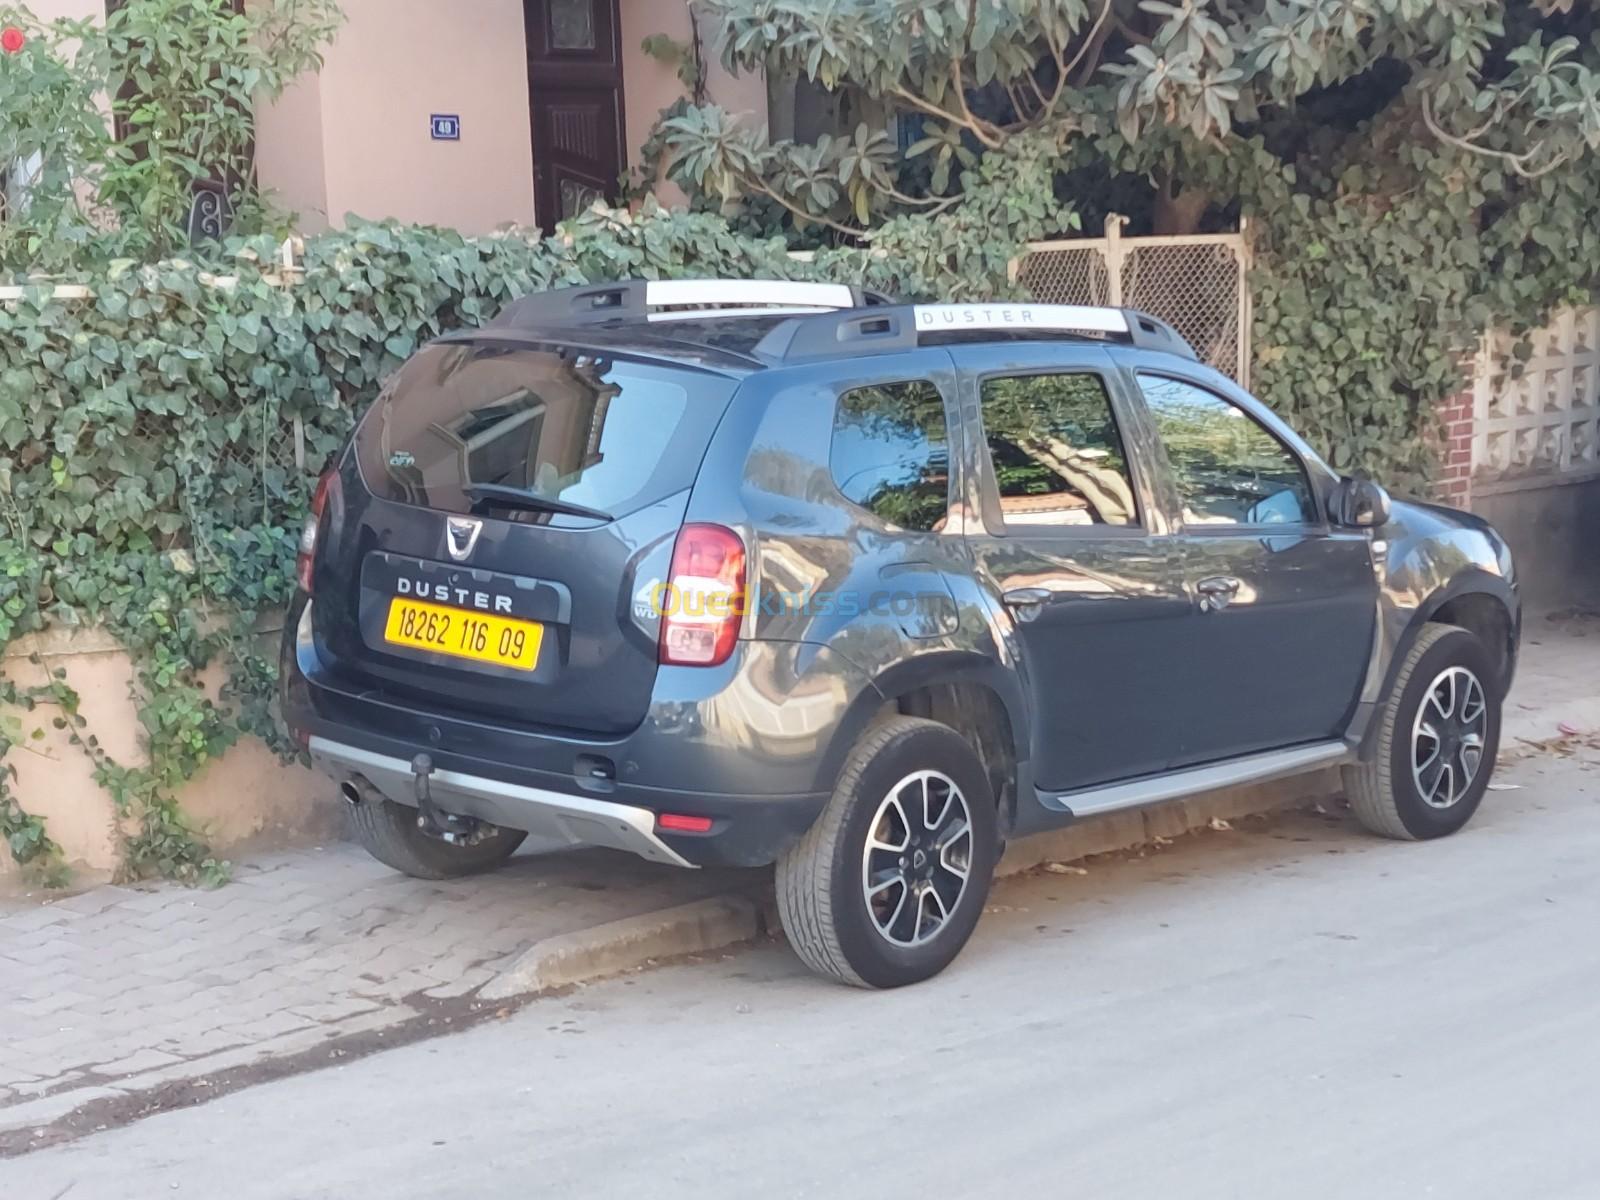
(134, 986)
(299, 948)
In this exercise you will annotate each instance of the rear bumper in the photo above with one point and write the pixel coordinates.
(712, 745)
(553, 820)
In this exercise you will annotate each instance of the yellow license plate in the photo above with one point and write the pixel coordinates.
(481, 637)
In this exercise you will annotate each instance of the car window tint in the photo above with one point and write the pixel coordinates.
(1058, 457)
(610, 434)
(1229, 468)
(891, 453)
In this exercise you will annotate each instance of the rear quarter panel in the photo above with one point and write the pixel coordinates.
(893, 608)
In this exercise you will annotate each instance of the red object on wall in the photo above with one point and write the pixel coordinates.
(12, 40)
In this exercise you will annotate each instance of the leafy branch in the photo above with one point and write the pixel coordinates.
(1536, 120)
(974, 74)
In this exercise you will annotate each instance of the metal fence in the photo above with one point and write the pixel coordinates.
(1543, 425)
(1197, 283)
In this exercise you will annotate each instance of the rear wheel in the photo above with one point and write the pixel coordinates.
(888, 885)
(1437, 740)
(390, 834)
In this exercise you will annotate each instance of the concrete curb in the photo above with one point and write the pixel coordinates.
(582, 956)
(1143, 827)
(617, 946)
(715, 923)
(718, 922)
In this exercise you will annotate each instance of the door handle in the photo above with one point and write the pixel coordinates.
(1217, 592)
(1026, 602)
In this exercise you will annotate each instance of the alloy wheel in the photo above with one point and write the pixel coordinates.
(1447, 737)
(917, 859)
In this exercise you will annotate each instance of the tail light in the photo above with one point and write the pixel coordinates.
(703, 603)
(305, 561)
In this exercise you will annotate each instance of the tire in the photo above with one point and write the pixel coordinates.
(390, 834)
(1388, 792)
(822, 881)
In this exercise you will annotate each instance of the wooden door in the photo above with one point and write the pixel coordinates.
(575, 94)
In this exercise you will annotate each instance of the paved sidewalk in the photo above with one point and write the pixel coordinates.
(145, 984)
(121, 990)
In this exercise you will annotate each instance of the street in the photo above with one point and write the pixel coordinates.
(1285, 1008)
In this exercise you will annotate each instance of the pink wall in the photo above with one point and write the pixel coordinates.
(359, 134)
(649, 85)
(77, 10)
(394, 63)
(289, 154)
(355, 139)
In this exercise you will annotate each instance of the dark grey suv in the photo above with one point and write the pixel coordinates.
(743, 573)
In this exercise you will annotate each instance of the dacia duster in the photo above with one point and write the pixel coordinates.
(741, 572)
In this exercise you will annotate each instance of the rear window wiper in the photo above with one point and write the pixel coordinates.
(501, 496)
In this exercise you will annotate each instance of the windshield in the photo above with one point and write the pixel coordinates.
(604, 433)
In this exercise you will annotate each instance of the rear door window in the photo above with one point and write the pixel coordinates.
(605, 433)
(1057, 454)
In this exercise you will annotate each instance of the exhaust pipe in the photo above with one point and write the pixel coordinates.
(353, 792)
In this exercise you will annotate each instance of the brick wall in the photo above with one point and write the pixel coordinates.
(1454, 484)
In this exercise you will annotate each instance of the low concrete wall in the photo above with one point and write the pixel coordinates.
(1554, 532)
(243, 797)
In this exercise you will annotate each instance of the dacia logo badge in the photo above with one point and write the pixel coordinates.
(461, 535)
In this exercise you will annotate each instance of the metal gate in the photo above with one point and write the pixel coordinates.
(1197, 283)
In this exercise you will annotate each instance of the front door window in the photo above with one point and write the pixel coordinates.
(1229, 468)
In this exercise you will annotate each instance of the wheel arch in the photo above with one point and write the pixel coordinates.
(967, 692)
(1479, 602)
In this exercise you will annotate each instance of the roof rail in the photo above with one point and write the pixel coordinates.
(643, 299)
(904, 326)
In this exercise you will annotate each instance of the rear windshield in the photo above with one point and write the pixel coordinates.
(606, 433)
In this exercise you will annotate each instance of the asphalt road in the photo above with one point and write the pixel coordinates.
(1288, 1009)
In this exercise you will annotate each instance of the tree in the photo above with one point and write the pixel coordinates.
(1509, 81)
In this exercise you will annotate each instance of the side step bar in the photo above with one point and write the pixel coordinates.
(1153, 789)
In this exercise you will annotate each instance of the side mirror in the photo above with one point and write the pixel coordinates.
(1360, 504)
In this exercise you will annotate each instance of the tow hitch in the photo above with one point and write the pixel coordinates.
(434, 821)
